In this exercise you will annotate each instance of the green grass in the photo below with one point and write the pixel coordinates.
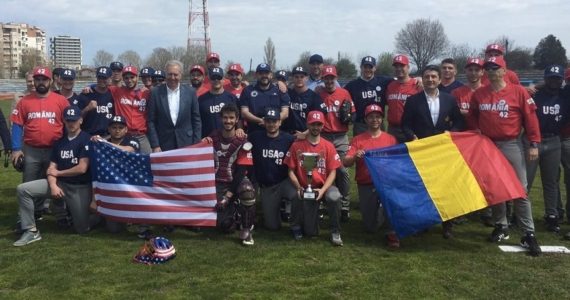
(212, 265)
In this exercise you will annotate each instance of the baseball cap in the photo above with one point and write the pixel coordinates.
(495, 47)
(71, 113)
(67, 74)
(213, 55)
(57, 71)
(299, 70)
(368, 60)
(401, 59)
(474, 61)
(103, 72)
(281, 75)
(567, 73)
(329, 71)
(130, 70)
(315, 116)
(158, 74)
(271, 114)
(554, 71)
(42, 71)
(316, 59)
(216, 73)
(373, 108)
(116, 66)
(263, 67)
(497, 60)
(198, 68)
(118, 119)
(235, 68)
(146, 72)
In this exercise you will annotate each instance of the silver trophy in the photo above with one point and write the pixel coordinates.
(309, 163)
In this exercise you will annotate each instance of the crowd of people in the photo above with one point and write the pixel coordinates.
(288, 122)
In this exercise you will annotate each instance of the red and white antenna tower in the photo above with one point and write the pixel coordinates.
(199, 25)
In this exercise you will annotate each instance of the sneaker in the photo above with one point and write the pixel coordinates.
(392, 240)
(344, 215)
(27, 238)
(552, 223)
(499, 234)
(529, 241)
(297, 234)
(335, 239)
(248, 241)
(145, 234)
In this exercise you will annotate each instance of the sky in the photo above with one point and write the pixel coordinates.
(239, 29)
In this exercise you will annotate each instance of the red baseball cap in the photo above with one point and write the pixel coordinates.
(497, 60)
(474, 61)
(235, 68)
(329, 70)
(199, 68)
(567, 73)
(213, 55)
(373, 108)
(495, 47)
(42, 71)
(401, 60)
(316, 116)
(131, 70)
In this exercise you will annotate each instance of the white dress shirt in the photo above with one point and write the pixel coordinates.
(433, 103)
(173, 102)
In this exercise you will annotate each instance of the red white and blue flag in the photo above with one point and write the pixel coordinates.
(173, 187)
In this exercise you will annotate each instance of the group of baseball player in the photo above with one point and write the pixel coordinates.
(285, 138)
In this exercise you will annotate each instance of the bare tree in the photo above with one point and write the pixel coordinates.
(102, 58)
(384, 64)
(194, 56)
(460, 53)
(424, 40)
(504, 41)
(30, 58)
(130, 58)
(270, 53)
(177, 52)
(158, 58)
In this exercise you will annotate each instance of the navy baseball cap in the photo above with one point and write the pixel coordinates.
(158, 74)
(368, 60)
(67, 74)
(263, 67)
(271, 114)
(118, 119)
(57, 71)
(116, 66)
(554, 71)
(316, 59)
(216, 73)
(281, 75)
(72, 113)
(146, 72)
(103, 72)
(299, 70)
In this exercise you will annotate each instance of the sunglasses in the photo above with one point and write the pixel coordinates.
(492, 68)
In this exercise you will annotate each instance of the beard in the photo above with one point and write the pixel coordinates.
(41, 89)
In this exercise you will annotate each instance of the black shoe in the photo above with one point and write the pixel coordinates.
(447, 230)
(344, 215)
(552, 223)
(285, 216)
(499, 234)
(529, 241)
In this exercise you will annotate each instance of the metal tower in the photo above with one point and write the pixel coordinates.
(198, 25)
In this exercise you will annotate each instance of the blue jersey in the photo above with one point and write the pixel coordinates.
(210, 107)
(552, 112)
(97, 120)
(268, 155)
(258, 101)
(67, 153)
(448, 89)
(129, 141)
(301, 104)
(364, 93)
(73, 99)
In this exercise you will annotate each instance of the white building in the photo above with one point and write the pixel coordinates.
(65, 51)
(17, 38)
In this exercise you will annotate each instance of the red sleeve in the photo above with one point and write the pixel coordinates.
(333, 159)
(513, 78)
(290, 158)
(353, 147)
(473, 112)
(530, 120)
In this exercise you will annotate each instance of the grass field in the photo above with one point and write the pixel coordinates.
(212, 266)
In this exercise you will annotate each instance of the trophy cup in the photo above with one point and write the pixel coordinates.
(309, 163)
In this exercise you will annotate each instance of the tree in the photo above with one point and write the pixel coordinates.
(130, 58)
(195, 55)
(519, 58)
(158, 58)
(423, 40)
(30, 58)
(460, 53)
(345, 68)
(102, 58)
(549, 51)
(269, 50)
(303, 60)
(384, 64)
(503, 40)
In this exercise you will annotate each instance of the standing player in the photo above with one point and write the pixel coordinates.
(473, 72)
(117, 70)
(197, 74)
(212, 102)
(67, 78)
(448, 73)
(374, 137)
(235, 75)
(304, 219)
(396, 94)
(146, 77)
(501, 111)
(282, 76)
(158, 77)
(496, 50)
(97, 106)
(366, 90)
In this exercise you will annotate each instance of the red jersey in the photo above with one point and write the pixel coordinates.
(327, 162)
(131, 104)
(396, 95)
(463, 96)
(365, 141)
(333, 101)
(501, 115)
(510, 77)
(230, 89)
(40, 118)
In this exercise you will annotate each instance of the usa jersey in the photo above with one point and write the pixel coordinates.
(365, 141)
(552, 112)
(258, 101)
(73, 99)
(300, 105)
(96, 121)
(396, 96)
(268, 155)
(327, 161)
(210, 106)
(333, 101)
(131, 104)
(364, 93)
(66, 154)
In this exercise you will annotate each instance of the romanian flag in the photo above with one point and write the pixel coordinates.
(435, 179)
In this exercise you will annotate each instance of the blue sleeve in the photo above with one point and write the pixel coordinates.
(285, 100)
(17, 132)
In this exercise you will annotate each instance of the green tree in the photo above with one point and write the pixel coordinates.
(384, 64)
(345, 68)
(549, 51)
(158, 58)
(30, 58)
(519, 58)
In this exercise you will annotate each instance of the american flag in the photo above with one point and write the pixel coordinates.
(173, 187)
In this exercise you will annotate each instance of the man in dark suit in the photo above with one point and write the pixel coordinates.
(431, 112)
(173, 113)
